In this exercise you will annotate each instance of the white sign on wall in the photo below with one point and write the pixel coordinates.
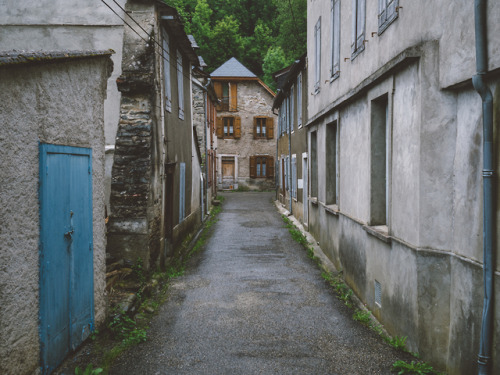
(300, 183)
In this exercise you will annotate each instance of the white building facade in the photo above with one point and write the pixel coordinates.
(395, 165)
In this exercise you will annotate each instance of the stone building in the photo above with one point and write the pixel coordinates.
(155, 197)
(204, 118)
(395, 139)
(291, 101)
(52, 230)
(246, 146)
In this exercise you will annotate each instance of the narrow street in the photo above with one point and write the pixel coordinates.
(252, 302)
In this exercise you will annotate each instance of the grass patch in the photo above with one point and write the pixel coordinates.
(415, 368)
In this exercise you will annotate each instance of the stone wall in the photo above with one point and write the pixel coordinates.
(253, 100)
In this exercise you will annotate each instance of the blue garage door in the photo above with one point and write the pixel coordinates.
(66, 251)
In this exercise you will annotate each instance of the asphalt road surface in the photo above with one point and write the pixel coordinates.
(252, 302)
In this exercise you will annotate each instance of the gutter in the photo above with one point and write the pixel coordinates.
(486, 338)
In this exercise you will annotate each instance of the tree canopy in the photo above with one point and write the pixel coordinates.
(265, 35)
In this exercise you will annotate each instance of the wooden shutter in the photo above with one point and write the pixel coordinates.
(220, 128)
(270, 127)
(218, 92)
(237, 127)
(233, 101)
(255, 127)
(270, 167)
(253, 168)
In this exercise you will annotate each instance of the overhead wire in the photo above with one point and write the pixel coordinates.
(140, 36)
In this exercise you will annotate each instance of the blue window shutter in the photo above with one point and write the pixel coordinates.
(182, 192)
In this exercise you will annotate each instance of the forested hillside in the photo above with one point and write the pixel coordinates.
(265, 35)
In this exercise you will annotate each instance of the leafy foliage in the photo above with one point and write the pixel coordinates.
(249, 30)
(89, 370)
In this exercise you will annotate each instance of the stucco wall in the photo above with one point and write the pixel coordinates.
(58, 103)
(429, 262)
(74, 25)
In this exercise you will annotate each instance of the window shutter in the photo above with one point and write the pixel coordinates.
(180, 85)
(353, 29)
(255, 127)
(360, 31)
(336, 37)
(253, 168)
(218, 92)
(270, 127)
(166, 71)
(237, 127)
(270, 167)
(233, 101)
(220, 128)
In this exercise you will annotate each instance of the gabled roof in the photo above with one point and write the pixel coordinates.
(232, 68)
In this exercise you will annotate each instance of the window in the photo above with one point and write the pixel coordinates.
(228, 93)
(287, 115)
(379, 162)
(180, 85)
(259, 127)
(292, 112)
(358, 27)
(166, 71)
(317, 56)
(263, 127)
(335, 39)
(299, 100)
(229, 127)
(261, 166)
(314, 164)
(387, 13)
(182, 192)
(294, 176)
(332, 164)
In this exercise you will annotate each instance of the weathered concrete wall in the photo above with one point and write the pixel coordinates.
(428, 257)
(58, 103)
(253, 100)
(71, 25)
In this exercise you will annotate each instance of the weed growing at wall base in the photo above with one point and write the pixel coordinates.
(415, 368)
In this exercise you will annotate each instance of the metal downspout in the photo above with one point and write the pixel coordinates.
(486, 339)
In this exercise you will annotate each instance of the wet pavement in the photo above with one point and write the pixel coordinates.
(252, 302)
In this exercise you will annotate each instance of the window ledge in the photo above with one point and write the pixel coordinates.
(314, 200)
(334, 77)
(357, 52)
(380, 231)
(332, 209)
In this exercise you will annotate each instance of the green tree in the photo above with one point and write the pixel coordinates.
(273, 61)
(292, 20)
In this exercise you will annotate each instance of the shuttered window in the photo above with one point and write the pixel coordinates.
(335, 39)
(229, 127)
(227, 92)
(387, 13)
(299, 100)
(263, 127)
(317, 56)
(294, 176)
(261, 166)
(292, 109)
(180, 85)
(358, 27)
(166, 71)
